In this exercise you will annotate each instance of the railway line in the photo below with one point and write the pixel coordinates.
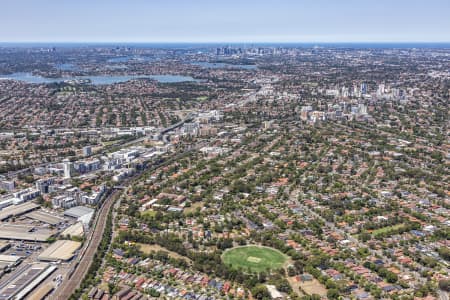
(80, 269)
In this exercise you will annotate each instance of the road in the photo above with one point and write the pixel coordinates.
(189, 117)
(332, 226)
(69, 285)
(162, 131)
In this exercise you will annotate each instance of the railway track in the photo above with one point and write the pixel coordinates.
(80, 269)
(71, 283)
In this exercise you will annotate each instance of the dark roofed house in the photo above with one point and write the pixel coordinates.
(388, 288)
(99, 294)
(92, 293)
(119, 252)
(212, 283)
(122, 293)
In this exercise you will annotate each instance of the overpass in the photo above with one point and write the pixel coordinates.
(189, 117)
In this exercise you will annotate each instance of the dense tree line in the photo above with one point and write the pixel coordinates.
(89, 279)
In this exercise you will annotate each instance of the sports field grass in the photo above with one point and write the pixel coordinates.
(255, 258)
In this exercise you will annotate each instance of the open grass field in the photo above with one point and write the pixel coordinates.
(254, 258)
(313, 287)
(150, 213)
(386, 229)
(193, 207)
(146, 248)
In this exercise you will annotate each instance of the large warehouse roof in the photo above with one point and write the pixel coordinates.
(45, 217)
(60, 250)
(74, 230)
(24, 280)
(78, 211)
(17, 210)
(24, 233)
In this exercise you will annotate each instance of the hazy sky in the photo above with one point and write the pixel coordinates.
(224, 20)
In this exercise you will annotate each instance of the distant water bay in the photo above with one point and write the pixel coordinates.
(97, 80)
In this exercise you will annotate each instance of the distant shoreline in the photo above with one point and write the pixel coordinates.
(244, 44)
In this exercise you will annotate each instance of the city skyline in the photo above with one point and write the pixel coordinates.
(201, 21)
(206, 150)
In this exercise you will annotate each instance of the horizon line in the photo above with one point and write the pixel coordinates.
(224, 42)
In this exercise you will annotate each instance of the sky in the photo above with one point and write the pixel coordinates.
(294, 21)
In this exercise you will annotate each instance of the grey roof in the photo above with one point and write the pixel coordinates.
(17, 210)
(78, 211)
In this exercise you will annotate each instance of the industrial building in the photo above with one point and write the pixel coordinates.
(25, 233)
(42, 292)
(44, 217)
(81, 213)
(62, 250)
(7, 262)
(17, 210)
(24, 280)
(76, 229)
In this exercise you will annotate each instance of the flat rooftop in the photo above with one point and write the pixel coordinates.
(25, 233)
(78, 211)
(7, 261)
(60, 250)
(42, 291)
(24, 280)
(76, 229)
(10, 258)
(44, 217)
(17, 210)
